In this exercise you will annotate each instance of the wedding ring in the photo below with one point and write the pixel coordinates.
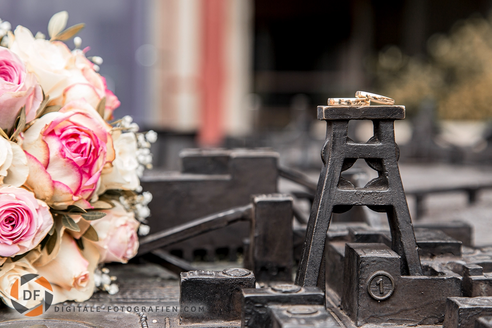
(374, 98)
(348, 101)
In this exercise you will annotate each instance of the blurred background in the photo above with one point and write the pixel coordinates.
(250, 73)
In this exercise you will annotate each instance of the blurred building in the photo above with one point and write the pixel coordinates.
(232, 68)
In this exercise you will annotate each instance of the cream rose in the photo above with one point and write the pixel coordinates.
(64, 75)
(10, 272)
(117, 231)
(85, 83)
(13, 164)
(71, 272)
(48, 60)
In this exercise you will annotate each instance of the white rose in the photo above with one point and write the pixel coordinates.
(123, 174)
(13, 164)
(64, 75)
(48, 60)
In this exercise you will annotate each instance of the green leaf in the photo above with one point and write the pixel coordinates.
(44, 241)
(69, 32)
(3, 134)
(69, 223)
(50, 246)
(21, 123)
(91, 234)
(76, 209)
(18, 257)
(57, 23)
(102, 205)
(101, 107)
(40, 112)
(52, 230)
(91, 216)
(79, 243)
(50, 109)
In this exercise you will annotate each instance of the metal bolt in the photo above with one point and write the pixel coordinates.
(286, 288)
(236, 272)
(302, 310)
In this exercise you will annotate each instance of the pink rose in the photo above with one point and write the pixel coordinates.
(24, 221)
(66, 152)
(71, 272)
(18, 88)
(117, 231)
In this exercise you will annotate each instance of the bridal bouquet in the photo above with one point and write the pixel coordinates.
(70, 195)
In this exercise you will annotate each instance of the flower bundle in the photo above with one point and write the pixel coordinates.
(70, 195)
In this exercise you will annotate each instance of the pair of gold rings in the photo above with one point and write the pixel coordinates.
(362, 98)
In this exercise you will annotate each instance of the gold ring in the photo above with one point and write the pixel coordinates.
(348, 102)
(375, 98)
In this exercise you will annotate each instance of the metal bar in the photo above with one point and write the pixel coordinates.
(194, 228)
(464, 188)
(297, 177)
(168, 261)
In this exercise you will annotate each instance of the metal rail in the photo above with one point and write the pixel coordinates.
(297, 177)
(471, 190)
(194, 228)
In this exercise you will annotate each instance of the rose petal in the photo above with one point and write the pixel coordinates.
(19, 170)
(39, 180)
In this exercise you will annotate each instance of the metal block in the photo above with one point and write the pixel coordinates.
(211, 181)
(271, 249)
(483, 322)
(367, 264)
(297, 316)
(341, 231)
(380, 112)
(216, 294)
(462, 312)
(368, 235)
(458, 230)
(433, 242)
(375, 291)
(255, 302)
(475, 281)
(334, 262)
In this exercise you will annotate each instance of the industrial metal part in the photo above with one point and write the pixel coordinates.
(213, 295)
(256, 302)
(271, 251)
(336, 194)
(210, 181)
(298, 316)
